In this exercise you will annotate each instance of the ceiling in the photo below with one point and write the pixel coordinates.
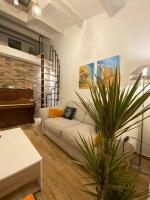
(58, 15)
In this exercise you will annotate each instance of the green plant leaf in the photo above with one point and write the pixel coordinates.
(114, 110)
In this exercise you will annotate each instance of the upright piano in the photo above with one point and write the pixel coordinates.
(16, 107)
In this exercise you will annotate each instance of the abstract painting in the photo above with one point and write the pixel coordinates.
(86, 75)
(106, 68)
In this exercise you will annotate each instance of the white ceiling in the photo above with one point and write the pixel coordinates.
(86, 8)
(58, 15)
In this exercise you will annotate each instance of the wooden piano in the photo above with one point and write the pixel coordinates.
(16, 107)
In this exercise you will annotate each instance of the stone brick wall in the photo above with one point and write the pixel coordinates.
(19, 73)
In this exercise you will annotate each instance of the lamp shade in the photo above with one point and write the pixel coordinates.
(36, 11)
(16, 2)
(144, 70)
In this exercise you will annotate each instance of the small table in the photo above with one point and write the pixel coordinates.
(20, 163)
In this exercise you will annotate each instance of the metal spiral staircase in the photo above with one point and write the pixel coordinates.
(50, 76)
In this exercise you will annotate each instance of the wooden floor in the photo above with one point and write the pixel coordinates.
(62, 179)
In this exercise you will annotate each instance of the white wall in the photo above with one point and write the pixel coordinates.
(126, 34)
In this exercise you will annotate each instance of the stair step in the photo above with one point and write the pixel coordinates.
(44, 85)
(49, 99)
(48, 67)
(48, 94)
(45, 80)
(49, 80)
(45, 73)
(49, 74)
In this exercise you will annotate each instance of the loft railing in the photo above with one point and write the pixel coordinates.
(50, 77)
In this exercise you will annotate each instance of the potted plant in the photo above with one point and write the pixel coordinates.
(114, 111)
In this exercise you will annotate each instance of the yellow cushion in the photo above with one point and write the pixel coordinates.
(55, 112)
(29, 197)
(97, 139)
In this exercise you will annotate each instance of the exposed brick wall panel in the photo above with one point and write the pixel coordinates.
(18, 73)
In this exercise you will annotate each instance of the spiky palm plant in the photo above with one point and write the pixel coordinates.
(114, 111)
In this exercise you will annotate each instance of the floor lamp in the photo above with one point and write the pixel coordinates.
(144, 70)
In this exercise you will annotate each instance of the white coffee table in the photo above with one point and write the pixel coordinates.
(20, 163)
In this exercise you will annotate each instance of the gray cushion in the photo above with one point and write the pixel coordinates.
(85, 130)
(80, 112)
(56, 125)
(88, 120)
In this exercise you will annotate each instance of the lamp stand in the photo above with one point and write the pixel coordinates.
(137, 164)
(142, 126)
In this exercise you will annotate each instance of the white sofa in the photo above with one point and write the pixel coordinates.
(63, 131)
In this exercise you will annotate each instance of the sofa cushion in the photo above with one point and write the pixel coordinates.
(88, 120)
(69, 112)
(56, 112)
(56, 125)
(80, 112)
(85, 130)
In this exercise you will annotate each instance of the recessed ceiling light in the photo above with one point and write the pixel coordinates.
(36, 11)
(16, 2)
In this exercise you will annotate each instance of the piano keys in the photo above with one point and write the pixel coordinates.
(16, 107)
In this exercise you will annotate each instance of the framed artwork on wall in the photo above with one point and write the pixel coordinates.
(86, 75)
(107, 67)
